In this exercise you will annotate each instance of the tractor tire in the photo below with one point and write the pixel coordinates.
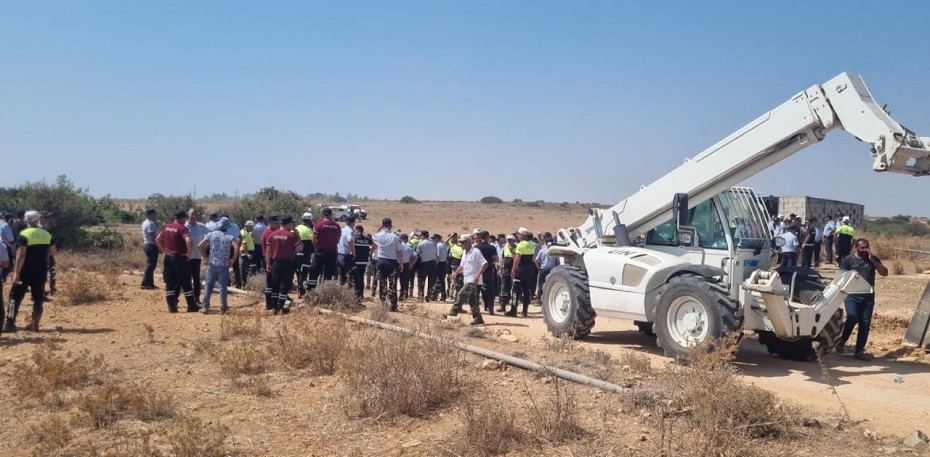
(806, 349)
(566, 302)
(694, 311)
(342, 218)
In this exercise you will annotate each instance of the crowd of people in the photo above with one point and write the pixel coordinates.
(806, 240)
(473, 269)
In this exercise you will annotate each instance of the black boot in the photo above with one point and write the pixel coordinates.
(9, 325)
(172, 307)
(34, 325)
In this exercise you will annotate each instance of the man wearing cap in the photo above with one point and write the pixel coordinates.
(175, 241)
(388, 265)
(442, 262)
(281, 257)
(150, 232)
(845, 235)
(305, 233)
(828, 232)
(427, 255)
(472, 270)
(274, 224)
(361, 244)
(247, 251)
(455, 259)
(197, 231)
(326, 234)
(220, 243)
(523, 272)
(506, 267)
(33, 247)
(345, 251)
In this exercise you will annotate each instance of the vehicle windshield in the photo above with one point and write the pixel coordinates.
(745, 217)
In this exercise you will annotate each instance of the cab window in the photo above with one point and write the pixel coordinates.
(703, 218)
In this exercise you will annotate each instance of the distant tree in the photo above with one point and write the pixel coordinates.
(408, 199)
(268, 201)
(491, 199)
(167, 206)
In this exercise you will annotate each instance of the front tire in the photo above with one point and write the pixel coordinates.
(566, 302)
(807, 290)
(692, 311)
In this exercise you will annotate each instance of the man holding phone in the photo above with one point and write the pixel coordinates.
(859, 307)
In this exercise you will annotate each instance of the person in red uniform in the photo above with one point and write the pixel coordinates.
(326, 234)
(281, 258)
(274, 224)
(175, 242)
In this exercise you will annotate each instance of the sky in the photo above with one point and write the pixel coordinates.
(538, 100)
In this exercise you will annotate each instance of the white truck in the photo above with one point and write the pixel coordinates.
(341, 212)
(706, 267)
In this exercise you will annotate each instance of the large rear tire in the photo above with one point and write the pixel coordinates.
(566, 304)
(694, 311)
(807, 289)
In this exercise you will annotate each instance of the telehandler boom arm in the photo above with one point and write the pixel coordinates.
(843, 103)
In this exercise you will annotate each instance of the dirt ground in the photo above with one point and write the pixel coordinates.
(286, 413)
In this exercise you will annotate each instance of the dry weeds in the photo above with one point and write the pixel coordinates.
(191, 436)
(112, 401)
(51, 436)
(331, 295)
(387, 374)
(49, 376)
(82, 287)
(490, 425)
(305, 342)
(240, 324)
(241, 358)
(555, 416)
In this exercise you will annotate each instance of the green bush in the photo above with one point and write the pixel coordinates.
(268, 201)
(73, 207)
(104, 239)
(900, 225)
(408, 199)
(166, 206)
(491, 199)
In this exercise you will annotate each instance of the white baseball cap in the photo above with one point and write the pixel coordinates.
(524, 231)
(307, 217)
(464, 237)
(845, 218)
(31, 216)
(476, 231)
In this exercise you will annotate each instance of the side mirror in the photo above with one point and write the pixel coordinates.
(680, 209)
(687, 236)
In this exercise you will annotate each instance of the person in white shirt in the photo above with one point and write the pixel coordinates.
(789, 250)
(389, 251)
(472, 269)
(829, 230)
(198, 231)
(345, 250)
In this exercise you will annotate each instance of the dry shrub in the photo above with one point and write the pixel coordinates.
(304, 342)
(379, 313)
(897, 268)
(112, 401)
(48, 376)
(255, 285)
(725, 415)
(331, 295)
(638, 363)
(141, 447)
(490, 425)
(82, 287)
(257, 386)
(241, 358)
(562, 344)
(555, 416)
(391, 374)
(108, 263)
(234, 325)
(191, 436)
(51, 436)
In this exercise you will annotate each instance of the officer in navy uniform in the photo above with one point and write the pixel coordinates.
(362, 256)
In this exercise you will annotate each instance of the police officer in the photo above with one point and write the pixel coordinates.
(489, 275)
(175, 242)
(845, 235)
(442, 261)
(455, 259)
(326, 234)
(34, 245)
(390, 251)
(274, 224)
(258, 233)
(363, 252)
(408, 260)
(281, 258)
(247, 251)
(426, 273)
(507, 280)
(523, 273)
(305, 233)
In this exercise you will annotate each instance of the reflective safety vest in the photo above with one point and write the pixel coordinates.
(36, 236)
(846, 230)
(247, 239)
(414, 242)
(305, 233)
(525, 248)
(508, 253)
(456, 252)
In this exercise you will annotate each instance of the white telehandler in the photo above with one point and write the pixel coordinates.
(706, 267)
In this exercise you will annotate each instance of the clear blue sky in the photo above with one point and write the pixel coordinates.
(561, 101)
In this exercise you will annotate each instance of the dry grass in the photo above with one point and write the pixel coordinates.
(112, 401)
(191, 436)
(51, 436)
(379, 313)
(331, 295)
(240, 324)
(81, 287)
(556, 415)
(305, 342)
(490, 425)
(108, 263)
(241, 358)
(48, 377)
(387, 374)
